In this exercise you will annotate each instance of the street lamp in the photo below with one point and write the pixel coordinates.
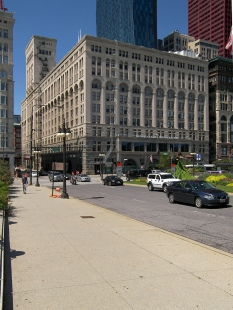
(37, 151)
(101, 156)
(193, 155)
(64, 133)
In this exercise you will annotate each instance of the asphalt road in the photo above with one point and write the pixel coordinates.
(211, 226)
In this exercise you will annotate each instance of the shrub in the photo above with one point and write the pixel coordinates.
(215, 178)
(5, 181)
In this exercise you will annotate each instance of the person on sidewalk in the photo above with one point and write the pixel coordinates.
(24, 182)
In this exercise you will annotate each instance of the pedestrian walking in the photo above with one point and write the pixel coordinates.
(24, 182)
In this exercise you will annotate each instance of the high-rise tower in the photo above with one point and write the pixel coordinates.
(211, 21)
(129, 21)
(7, 86)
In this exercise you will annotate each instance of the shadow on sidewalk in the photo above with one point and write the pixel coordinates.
(8, 256)
(7, 297)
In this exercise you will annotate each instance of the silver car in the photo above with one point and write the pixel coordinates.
(56, 176)
(83, 178)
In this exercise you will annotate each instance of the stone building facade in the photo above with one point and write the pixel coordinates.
(7, 87)
(127, 102)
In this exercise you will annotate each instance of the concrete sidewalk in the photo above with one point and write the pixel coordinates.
(69, 254)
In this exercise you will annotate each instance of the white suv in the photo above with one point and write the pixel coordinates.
(160, 181)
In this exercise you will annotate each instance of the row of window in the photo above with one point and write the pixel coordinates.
(111, 51)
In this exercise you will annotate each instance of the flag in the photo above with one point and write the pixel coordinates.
(151, 159)
(229, 44)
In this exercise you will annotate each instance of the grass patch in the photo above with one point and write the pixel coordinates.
(228, 189)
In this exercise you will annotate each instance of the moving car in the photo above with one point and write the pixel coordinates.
(34, 173)
(135, 174)
(83, 178)
(160, 181)
(198, 193)
(112, 180)
(56, 176)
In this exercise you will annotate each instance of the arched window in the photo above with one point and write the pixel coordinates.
(136, 89)
(96, 84)
(181, 95)
(110, 86)
(159, 92)
(171, 94)
(191, 97)
(148, 91)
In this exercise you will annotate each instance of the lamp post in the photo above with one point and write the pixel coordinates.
(37, 151)
(101, 156)
(193, 155)
(64, 133)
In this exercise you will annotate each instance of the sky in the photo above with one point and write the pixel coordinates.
(63, 20)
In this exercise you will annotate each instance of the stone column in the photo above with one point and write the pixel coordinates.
(165, 111)
(186, 113)
(103, 105)
(142, 109)
(176, 112)
(154, 109)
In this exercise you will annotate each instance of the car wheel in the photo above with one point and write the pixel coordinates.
(109, 183)
(171, 198)
(150, 187)
(103, 183)
(198, 202)
(165, 188)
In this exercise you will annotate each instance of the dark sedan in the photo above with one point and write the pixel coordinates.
(112, 180)
(198, 193)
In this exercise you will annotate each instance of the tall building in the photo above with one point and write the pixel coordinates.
(120, 100)
(17, 140)
(221, 108)
(7, 87)
(211, 21)
(176, 41)
(129, 21)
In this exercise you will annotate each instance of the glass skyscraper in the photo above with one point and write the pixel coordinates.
(129, 21)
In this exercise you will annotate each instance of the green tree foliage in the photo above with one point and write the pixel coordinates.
(5, 181)
(182, 173)
(5, 174)
(164, 162)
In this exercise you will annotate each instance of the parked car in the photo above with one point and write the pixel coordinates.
(160, 180)
(43, 173)
(198, 193)
(56, 176)
(112, 180)
(83, 178)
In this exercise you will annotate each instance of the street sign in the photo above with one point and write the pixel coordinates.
(56, 149)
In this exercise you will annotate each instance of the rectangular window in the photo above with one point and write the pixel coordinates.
(5, 59)
(126, 146)
(5, 33)
(3, 99)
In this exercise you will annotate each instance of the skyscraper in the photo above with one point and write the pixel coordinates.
(211, 21)
(129, 21)
(7, 86)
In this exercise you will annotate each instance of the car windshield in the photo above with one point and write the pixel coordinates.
(202, 185)
(56, 173)
(84, 175)
(167, 176)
